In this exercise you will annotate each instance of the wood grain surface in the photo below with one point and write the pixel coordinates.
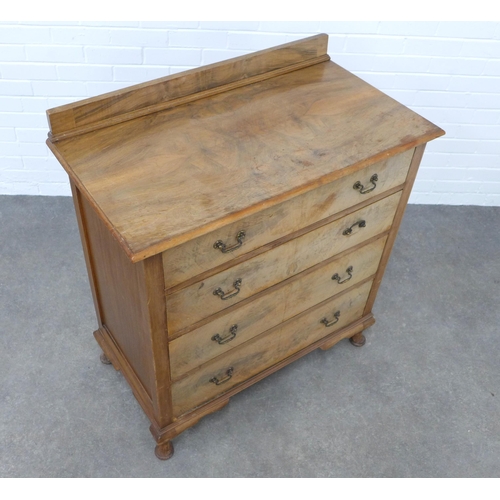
(168, 177)
(138, 100)
(199, 255)
(191, 304)
(273, 144)
(267, 349)
(190, 418)
(122, 301)
(268, 310)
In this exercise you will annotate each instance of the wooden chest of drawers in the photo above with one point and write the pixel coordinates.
(234, 218)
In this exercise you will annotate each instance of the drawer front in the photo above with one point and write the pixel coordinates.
(241, 324)
(247, 360)
(199, 255)
(218, 292)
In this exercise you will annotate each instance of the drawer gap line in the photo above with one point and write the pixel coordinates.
(273, 244)
(279, 325)
(275, 287)
(184, 420)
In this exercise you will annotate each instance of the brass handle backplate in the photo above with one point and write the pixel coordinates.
(217, 381)
(224, 340)
(361, 188)
(220, 245)
(330, 323)
(227, 295)
(348, 231)
(340, 281)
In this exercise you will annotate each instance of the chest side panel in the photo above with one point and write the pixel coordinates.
(121, 296)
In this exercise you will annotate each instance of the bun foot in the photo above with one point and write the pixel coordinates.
(358, 340)
(104, 359)
(164, 451)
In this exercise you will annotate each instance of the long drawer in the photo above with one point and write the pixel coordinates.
(199, 255)
(202, 299)
(242, 323)
(247, 360)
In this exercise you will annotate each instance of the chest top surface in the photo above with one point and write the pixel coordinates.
(163, 178)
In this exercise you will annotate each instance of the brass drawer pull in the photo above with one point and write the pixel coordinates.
(330, 323)
(220, 245)
(348, 231)
(362, 190)
(223, 295)
(229, 374)
(337, 277)
(232, 333)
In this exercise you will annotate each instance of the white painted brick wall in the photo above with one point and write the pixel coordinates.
(449, 72)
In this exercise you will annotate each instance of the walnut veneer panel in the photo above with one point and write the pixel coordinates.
(267, 349)
(269, 309)
(143, 99)
(168, 177)
(199, 255)
(198, 301)
(120, 296)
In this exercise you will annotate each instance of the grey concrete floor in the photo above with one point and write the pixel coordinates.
(421, 399)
